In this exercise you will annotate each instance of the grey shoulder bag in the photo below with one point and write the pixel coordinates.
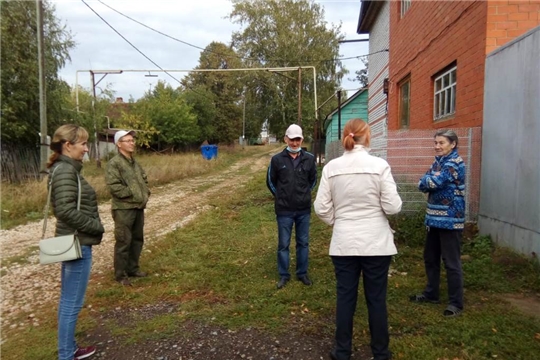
(59, 248)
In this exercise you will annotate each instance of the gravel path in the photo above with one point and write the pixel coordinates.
(27, 286)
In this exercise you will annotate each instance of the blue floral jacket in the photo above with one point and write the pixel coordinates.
(445, 184)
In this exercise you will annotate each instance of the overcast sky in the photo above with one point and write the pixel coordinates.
(198, 22)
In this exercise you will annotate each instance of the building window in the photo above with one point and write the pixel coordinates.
(445, 94)
(405, 5)
(405, 103)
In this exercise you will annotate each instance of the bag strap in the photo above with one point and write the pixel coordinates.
(46, 210)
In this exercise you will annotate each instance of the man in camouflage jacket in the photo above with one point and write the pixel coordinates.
(128, 186)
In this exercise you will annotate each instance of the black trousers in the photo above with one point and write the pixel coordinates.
(374, 271)
(445, 244)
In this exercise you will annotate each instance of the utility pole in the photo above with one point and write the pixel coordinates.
(42, 95)
(94, 99)
(317, 143)
(339, 114)
(300, 96)
(107, 136)
(96, 140)
(320, 131)
(244, 121)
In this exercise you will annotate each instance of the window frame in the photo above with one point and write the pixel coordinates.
(404, 6)
(444, 93)
(404, 121)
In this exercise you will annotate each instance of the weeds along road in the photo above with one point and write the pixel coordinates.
(27, 286)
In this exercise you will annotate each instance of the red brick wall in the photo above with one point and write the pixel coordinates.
(509, 19)
(430, 36)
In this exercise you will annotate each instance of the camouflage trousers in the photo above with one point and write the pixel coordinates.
(128, 233)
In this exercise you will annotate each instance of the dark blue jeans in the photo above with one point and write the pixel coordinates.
(75, 275)
(374, 271)
(445, 244)
(285, 226)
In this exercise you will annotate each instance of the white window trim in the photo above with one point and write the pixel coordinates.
(405, 5)
(444, 99)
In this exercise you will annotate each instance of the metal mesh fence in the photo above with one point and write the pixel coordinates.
(410, 153)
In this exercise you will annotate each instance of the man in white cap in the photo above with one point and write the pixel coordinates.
(292, 175)
(128, 186)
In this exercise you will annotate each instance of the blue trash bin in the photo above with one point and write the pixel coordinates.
(209, 152)
(214, 151)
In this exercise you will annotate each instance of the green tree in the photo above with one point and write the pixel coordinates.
(143, 125)
(203, 106)
(223, 89)
(19, 76)
(362, 74)
(287, 33)
(83, 115)
(170, 116)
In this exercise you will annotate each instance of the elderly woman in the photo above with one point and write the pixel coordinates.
(445, 218)
(69, 144)
(356, 193)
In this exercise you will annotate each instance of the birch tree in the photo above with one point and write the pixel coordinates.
(287, 33)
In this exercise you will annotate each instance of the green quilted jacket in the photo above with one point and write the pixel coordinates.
(127, 183)
(65, 192)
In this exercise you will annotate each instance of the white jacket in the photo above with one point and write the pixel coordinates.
(356, 193)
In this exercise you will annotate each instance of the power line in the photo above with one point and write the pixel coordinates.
(366, 55)
(153, 62)
(217, 53)
(140, 52)
(126, 40)
(151, 28)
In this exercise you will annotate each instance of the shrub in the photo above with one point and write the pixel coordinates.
(409, 228)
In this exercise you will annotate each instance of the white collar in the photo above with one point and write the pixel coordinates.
(359, 147)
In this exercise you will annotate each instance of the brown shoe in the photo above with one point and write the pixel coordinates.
(139, 274)
(124, 281)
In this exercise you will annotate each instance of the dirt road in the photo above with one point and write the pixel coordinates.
(26, 286)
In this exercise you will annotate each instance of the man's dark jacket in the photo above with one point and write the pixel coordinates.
(292, 186)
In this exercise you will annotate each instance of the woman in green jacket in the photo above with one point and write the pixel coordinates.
(69, 144)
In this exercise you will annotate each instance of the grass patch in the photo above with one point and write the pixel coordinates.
(221, 268)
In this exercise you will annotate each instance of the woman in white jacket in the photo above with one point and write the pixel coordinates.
(356, 193)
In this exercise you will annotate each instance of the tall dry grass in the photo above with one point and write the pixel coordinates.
(24, 202)
(160, 169)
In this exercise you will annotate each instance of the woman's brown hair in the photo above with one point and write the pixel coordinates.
(66, 133)
(356, 131)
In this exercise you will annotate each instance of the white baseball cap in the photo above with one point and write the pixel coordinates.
(294, 131)
(121, 133)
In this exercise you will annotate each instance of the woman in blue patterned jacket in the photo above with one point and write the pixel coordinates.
(445, 218)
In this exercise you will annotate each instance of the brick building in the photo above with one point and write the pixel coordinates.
(434, 70)
(437, 57)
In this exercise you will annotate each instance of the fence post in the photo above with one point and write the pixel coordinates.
(468, 175)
